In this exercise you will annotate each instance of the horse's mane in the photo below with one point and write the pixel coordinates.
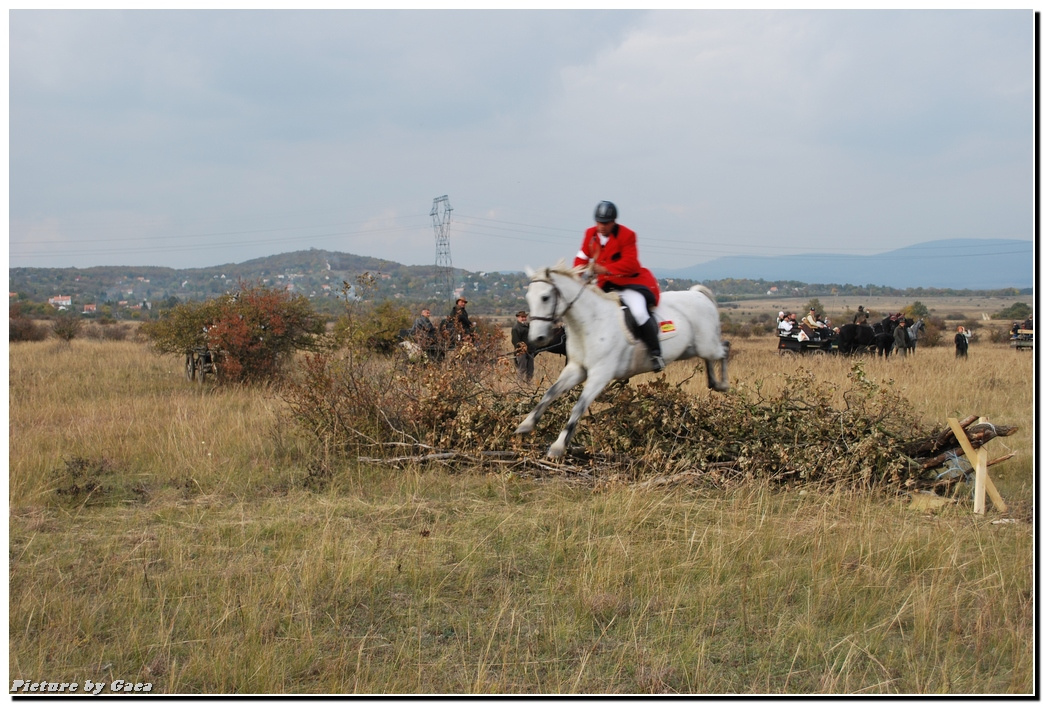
(562, 268)
(573, 272)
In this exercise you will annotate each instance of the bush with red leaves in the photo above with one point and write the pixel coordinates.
(254, 331)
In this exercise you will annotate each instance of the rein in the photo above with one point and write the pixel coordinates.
(555, 316)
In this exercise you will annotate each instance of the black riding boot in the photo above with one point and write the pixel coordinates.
(650, 336)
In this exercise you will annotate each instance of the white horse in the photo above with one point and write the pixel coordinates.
(600, 347)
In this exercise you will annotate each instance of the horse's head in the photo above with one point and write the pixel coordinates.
(544, 300)
(551, 293)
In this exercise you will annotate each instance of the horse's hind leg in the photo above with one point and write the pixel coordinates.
(713, 382)
(571, 375)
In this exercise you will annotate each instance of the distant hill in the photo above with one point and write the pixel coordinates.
(978, 264)
(320, 275)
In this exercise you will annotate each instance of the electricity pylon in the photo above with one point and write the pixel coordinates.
(440, 215)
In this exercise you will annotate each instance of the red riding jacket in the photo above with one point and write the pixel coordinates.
(619, 256)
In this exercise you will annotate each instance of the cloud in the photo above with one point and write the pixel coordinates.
(715, 132)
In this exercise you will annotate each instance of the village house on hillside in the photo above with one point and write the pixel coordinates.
(60, 301)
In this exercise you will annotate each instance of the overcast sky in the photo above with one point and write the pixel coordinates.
(197, 138)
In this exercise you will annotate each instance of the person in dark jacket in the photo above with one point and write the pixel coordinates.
(962, 342)
(901, 334)
(523, 359)
(425, 335)
(462, 322)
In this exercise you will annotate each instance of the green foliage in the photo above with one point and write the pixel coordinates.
(183, 327)
(1017, 311)
(375, 327)
(255, 330)
(820, 312)
(916, 310)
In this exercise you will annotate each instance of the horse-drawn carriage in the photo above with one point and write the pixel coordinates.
(200, 361)
(790, 345)
(1021, 339)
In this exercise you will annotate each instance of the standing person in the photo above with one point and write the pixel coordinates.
(915, 330)
(962, 341)
(461, 320)
(523, 359)
(610, 251)
(901, 334)
(424, 333)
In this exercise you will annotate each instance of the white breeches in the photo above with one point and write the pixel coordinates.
(635, 301)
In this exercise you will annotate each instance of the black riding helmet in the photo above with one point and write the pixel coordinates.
(605, 212)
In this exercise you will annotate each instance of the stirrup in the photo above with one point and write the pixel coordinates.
(658, 363)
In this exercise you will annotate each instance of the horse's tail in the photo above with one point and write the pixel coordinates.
(706, 292)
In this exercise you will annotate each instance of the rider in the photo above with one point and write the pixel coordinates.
(610, 250)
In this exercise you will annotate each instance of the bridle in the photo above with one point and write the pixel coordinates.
(556, 317)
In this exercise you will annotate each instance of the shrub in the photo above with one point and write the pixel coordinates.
(931, 335)
(1017, 311)
(107, 331)
(24, 329)
(374, 327)
(67, 328)
(353, 402)
(115, 333)
(255, 331)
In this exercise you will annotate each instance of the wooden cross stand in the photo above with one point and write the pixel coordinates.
(980, 459)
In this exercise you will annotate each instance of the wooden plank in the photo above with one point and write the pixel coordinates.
(994, 494)
(980, 459)
(968, 450)
(981, 478)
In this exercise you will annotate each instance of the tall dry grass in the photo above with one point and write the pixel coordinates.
(201, 561)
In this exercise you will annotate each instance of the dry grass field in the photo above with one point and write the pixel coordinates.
(166, 534)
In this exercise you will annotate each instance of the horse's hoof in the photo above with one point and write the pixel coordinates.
(525, 427)
(555, 451)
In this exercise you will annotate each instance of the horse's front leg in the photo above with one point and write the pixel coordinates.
(595, 385)
(571, 375)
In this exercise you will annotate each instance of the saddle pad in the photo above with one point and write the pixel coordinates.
(667, 329)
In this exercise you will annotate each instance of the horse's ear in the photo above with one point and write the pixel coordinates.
(529, 271)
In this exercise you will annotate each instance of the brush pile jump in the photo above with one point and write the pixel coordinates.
(862, 434)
